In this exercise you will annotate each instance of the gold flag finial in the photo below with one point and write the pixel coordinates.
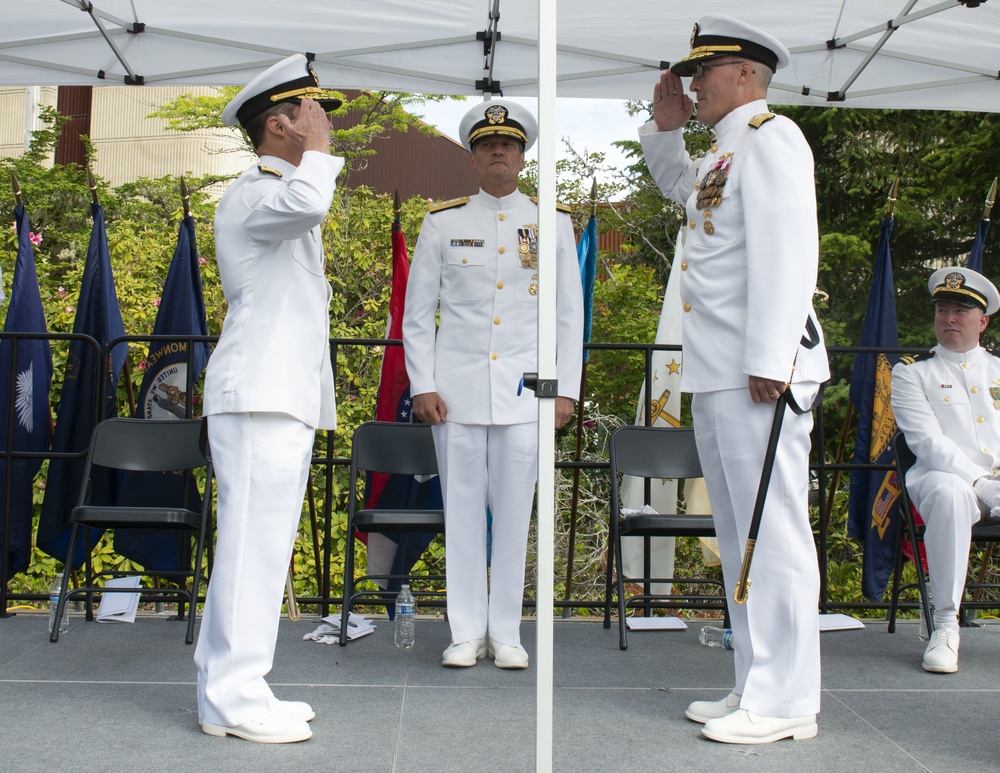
(991, 199)
(92, 184)
(16, 188)
(397, 208)
(185, 198)
(893, 195)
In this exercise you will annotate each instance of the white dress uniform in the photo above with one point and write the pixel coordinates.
(749, 269)
(948, 406)
(269, 384)
(479, 257)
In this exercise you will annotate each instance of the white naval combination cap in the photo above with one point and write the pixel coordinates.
(498, 116)
(290, 80)
(964, 286)
(716, 35)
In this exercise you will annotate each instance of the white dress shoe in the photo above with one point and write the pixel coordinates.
(293, 709)
(297, 710)
(941, 655)
(464, 654)
(703, 711)
(508, 655)
(277, 728)
(744, 726)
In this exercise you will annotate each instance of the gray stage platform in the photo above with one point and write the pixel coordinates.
(119, 697)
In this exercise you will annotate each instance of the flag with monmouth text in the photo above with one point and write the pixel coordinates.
(873, 511)
(88, 395)
(25, 378)
(166, 394)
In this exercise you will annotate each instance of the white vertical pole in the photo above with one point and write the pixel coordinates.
(32, 113)
(546, 370)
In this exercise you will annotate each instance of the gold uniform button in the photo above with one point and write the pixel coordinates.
(986, 450)
(494, 356)
(465, 260)
(501, 216)
(965, 365)
(974, 390)
(709, 227)
(687, 307)
(496, 320)
(707, 213)
(691, 224)
(715, 148)
(684, 266)
(980, 419)
(502, 250)
(499, 285)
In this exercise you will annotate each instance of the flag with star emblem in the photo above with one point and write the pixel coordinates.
(873, 504)
(81, 405)
(25, 403)
(397, 552)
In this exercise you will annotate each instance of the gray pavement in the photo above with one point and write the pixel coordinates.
(119, 697)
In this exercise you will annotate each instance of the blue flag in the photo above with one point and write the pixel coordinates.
(873, 512)
(397, 552)
(165, 394)
(586, 251)
(975, 259)
(80, 404)
(26, 401)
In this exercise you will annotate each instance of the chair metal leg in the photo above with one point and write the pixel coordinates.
(620, 586)
(345, 611)
(61, 605)
(897, 574)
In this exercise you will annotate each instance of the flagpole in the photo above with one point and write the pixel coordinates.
(577, 456)
(991, 199)
(185, 198)
(92, 184)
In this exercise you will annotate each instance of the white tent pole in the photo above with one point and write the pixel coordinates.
(546, 370)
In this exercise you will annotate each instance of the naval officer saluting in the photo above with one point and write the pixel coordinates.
(269, 385)
(750, 260)
(477, 260)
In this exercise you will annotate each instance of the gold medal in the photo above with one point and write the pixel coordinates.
(709, 227)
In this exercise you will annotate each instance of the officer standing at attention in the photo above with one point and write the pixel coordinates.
(269, 385)
(748, 328)
(478, 257)
(947, 404)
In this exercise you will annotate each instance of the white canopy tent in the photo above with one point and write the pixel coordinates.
(906, 54)
(911, 54)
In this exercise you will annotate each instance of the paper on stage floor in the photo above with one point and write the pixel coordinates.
(839, 622)
(655, 624)
(119, 607)
(329, 631)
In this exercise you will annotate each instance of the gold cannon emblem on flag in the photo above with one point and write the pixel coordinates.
(883, 419)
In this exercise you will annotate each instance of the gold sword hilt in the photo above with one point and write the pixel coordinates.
(743, 584)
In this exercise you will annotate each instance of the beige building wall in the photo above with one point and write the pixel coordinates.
(128, 144)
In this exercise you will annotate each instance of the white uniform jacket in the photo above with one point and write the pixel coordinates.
(750, 259)
(948, 406)
(470, 256)
(274, 352)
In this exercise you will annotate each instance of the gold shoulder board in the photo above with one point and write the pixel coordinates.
(268, 170)
(909, 359)
(450, 204)
(561, 207)
(760, 119)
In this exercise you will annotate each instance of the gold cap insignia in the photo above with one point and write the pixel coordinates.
(694, 35)
(496, 114)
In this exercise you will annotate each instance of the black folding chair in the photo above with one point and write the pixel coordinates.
(656, 453)
(394, 448)
(142, 445)
(985, 531)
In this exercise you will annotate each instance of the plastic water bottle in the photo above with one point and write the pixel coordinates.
(406, 616)
(924, 633)
(54, 590)
(713, 636)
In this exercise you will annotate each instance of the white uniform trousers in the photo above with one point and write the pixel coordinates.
(261, 465)
(776, 633)
(480, 466)
(949, 507)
